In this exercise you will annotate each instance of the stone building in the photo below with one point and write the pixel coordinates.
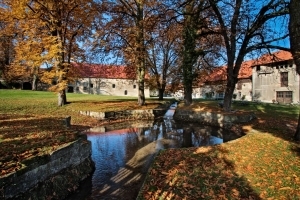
(274, 78)
(105, 80)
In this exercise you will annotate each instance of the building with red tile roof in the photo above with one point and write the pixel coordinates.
(104, 80)
(276, 57)
(213, 85)
(103, 71)
(274, 78)
(259, 79)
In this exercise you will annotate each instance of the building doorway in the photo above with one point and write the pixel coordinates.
(284, 97)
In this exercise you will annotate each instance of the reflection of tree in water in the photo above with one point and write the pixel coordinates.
(123, 153)
(193, 134)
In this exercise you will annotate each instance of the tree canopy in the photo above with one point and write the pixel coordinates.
(170, 39)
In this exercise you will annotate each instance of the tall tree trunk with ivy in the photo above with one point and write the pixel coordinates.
(294, 29)
(140, 51)
(188, 53)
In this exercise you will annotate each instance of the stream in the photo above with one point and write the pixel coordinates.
(124, 153)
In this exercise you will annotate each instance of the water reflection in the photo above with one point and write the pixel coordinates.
(122, 156)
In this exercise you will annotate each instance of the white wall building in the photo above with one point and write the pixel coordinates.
(214, 85)
(105, 80)
(275, 78)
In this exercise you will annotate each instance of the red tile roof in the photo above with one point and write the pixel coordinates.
(274, 57)
(219, 73)
(102, 71)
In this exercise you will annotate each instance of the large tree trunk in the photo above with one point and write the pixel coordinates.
(229, 93)
(140, 50)
(34, 82)
(161, 93)
(141, 95)
(297, 134)
(294, 28)
(62, 99)
(188, 91)
(189, 56)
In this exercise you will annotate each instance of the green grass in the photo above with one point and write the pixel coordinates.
(31, 123)
(264, 164)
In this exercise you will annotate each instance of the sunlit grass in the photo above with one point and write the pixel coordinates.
(264, 164)
(31, 123)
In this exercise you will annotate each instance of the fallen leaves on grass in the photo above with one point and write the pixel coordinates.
(26, 136)
(249, 168)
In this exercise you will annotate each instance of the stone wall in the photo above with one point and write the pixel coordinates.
(126, 114)
(225, 120)
(51, 176)
(130, 114)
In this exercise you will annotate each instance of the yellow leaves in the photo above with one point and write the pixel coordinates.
(235, 192)
(285, 188)
(165, 173)
(203, 150)
(187, 186)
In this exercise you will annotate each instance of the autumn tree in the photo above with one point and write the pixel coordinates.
(7, 36)
(189, 52)
(294, 30)
(125, 27)
(49, 31)
(246, 26)
(163, 55)
(195, 18)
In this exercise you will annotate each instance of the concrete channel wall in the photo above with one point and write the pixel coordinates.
(50, 176)
(129, 114)
(224, 120)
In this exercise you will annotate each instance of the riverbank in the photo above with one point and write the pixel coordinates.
(260, 164)
(263, 164)
(33, 129)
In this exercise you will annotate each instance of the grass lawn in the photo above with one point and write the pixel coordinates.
(264, 164)
(31, 123)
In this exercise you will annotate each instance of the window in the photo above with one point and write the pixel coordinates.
(91, 85)
(125, 92)
(84, 88)
(134, 86)
(221, 95)
(279, 94)
(239, 86)
(258, 68)
(284, 79)
(113, 85)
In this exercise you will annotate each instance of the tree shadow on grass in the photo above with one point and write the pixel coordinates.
(25, 136)
(195, 173)
(278, 120)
